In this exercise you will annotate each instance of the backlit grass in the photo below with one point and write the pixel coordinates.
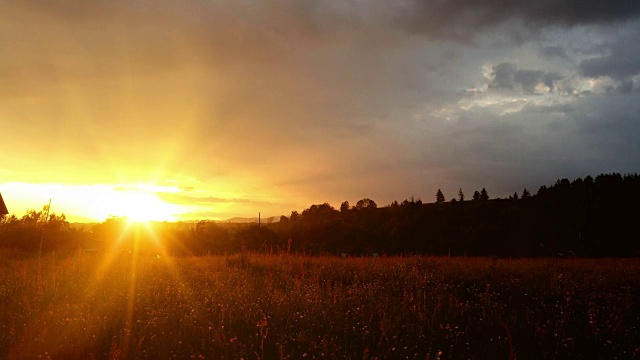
(293, 307)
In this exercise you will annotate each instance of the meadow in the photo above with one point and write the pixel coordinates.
(125, 305)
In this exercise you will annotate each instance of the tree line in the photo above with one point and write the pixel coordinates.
(583, 217)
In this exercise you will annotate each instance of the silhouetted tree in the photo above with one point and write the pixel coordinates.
(8, 219)
(476, 195)
(440, 197)
(344, 206)
(525, 193)
(515, 196)
(319, 212)
(562, 184)
(460, 195)
(366, 203)
(411, 201)
(483, 195)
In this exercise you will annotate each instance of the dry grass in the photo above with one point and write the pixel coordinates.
(87, 306)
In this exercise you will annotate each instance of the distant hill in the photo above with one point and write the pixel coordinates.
(240, 220)
(249, 220)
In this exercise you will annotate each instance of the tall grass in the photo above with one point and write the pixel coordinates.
(294, 307)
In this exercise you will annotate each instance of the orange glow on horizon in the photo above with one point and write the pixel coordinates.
(92, 202)
(164, 200)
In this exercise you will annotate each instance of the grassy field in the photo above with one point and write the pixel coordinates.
(128, 306)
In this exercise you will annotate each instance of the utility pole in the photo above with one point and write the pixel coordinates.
(44, 227)
(264, 243)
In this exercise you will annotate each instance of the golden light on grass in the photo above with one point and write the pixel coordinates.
(277, 306)
(137, 242)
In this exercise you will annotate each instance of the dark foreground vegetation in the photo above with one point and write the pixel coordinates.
(133, 306)
(584, 218)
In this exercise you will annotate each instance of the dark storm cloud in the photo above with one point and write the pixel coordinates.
(261, 25)
(507, 75)
(620, 64)
(626, 87)
(618, 58)
(464, 18)
(534, 147)
(328, 100)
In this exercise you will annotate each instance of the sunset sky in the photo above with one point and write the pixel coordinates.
(213, 109)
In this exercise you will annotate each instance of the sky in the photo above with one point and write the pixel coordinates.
(182, 110)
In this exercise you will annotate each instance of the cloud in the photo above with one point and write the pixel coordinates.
(554, 52)
(462, 19)
(507, 75)
(539, 144)
(627, 87)
(180, 199)
(265, 101)
(616, 60)
(620, 65)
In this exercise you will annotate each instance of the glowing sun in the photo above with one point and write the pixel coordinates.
(141, 206)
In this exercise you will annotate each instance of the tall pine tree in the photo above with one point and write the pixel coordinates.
(484, 196)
